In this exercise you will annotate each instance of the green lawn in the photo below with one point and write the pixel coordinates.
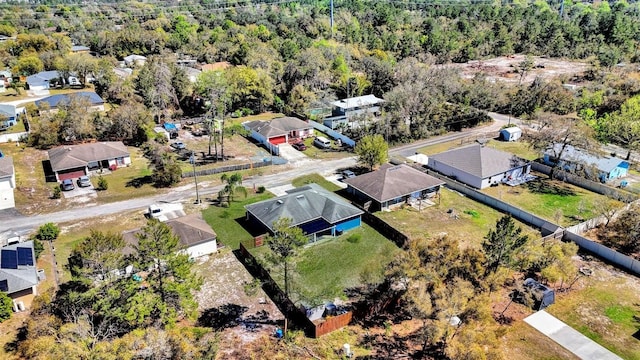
(324, 270)
(315, 178)
(228, 223)
(603, 309)
(128, 182)
(553, 200)
(473, 222)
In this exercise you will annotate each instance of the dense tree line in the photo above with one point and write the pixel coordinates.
(287, 57)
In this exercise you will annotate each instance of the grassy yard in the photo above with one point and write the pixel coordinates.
(553, 200)
(325, 269)
(315, 178)
(128, 182)
(17, 128)
(473, 222)
(604, 309)
(228, 223)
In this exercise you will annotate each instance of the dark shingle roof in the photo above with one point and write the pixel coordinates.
(60, 99)
(74, 156)
(390, 182)
(479, 161)
(24, 277)
(277, 127)
(191, 230)
(304, 204)
(6, 166)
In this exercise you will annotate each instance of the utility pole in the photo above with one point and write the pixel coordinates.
(195, 174)
(331, 18)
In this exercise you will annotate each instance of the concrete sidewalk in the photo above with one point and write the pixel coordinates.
(570, 339)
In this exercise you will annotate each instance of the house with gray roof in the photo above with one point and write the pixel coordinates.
(312, 208)
(195, 235)
(479, 166)
(42, 80)
(572, 159)
(52, 103)
(7, 182)
(18, 273)
(392, 186)
(73, 161)
(279, 130)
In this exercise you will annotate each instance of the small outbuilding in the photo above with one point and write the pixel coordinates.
(510, 134)
(542, 295)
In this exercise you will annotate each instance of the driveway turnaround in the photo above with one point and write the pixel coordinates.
(570, 339)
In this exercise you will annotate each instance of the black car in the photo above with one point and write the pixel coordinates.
(299, 146)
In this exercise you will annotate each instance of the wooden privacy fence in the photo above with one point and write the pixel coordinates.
(289, 309)
(227, 168)
(386, 230)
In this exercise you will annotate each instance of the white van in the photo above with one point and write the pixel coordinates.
(322, 142)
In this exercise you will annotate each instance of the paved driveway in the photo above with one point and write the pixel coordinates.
(292, 155)
(569, 338)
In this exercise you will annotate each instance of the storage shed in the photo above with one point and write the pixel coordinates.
(542, 295)
(510, 134)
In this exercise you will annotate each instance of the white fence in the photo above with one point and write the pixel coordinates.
(334, 134)
(13, 137)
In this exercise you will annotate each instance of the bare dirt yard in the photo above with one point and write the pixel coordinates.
(230, 301)
(504, 68)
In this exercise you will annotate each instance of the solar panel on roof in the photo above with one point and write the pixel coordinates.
(8, 259)
(25, 256)
(4, 285)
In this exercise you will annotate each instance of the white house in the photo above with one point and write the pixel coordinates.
(134, 60)
(196, 236)
(7, 182)
(480, 166)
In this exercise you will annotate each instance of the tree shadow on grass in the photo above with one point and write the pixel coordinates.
(225, 316)
(139, 181)
(543, 186)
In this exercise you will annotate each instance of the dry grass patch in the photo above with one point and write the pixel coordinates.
(456, 215)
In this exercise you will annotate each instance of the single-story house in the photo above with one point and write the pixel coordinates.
(280, 130)
(572, 159)
(510, 134)
(78, 49)
(391, 186)
(42, 80)
(51, 103)
(196, 236)
(479, 166)
(18, 274)
(5, 80)
(135, 60)
(72, 161)
(9, 114)
(312, 208)
(7, 182)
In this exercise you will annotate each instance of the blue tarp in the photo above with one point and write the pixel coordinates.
(170, 127)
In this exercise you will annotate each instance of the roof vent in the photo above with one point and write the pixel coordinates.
(280, 202)
(300, 197)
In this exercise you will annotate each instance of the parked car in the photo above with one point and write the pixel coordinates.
(348, 174)
(300, 146)
(83, 181)
(178, 145)
(322, 142)
(67, 185)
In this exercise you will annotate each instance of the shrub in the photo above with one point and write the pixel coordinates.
(57, 193)
(102, 183)
(354, 238)
(38, 247)
(474, 214)
(261, 189)
(48, 232)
